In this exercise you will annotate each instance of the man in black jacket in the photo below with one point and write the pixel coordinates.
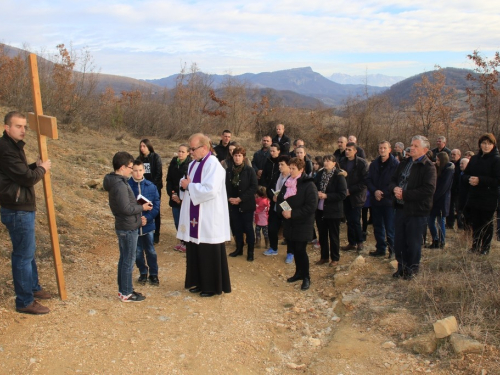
(260, 157)
(441, 146)
(18, 202)
(382, 199)
(281, 139)
(222, 149)
(357, 171)
(413, 186)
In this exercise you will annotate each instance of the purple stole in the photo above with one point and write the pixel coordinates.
(194, 211)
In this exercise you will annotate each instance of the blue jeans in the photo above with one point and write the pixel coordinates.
(21, 227)
(383, 227)
(408, 241)
(176, 212)
(441, 228)
(127, 242)
(145, 244)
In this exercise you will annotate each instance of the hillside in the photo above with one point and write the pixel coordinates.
(380, 80)
(355, 319)
(401, 91)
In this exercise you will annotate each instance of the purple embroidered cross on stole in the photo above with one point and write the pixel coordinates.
(194, 211)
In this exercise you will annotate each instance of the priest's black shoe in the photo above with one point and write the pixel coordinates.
(376, 254)
(398, 274)
(238, 251)
(306, 283)
(196, 289)
(207, 294)
(294, 278)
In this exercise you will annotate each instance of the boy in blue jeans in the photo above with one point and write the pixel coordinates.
(127, 214)
(145, 242)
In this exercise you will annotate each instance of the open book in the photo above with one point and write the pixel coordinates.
(141, 199)
(275, 193)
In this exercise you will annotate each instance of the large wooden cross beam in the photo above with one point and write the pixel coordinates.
(46, 126)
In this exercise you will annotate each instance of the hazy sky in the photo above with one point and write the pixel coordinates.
(153, 39)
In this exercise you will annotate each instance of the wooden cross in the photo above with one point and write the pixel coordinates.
(46, 126)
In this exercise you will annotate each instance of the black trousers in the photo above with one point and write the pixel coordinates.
(482, 227)
(298, 248)
(274, 225)
(328, 229)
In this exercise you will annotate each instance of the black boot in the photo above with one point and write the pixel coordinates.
(250, 252)
(238, 251)
(435, 245)
(306, 283)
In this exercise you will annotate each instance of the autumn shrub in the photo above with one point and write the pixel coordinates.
(457, 282)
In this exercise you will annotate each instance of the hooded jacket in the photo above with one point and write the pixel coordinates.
(122, 202)
(17, 178)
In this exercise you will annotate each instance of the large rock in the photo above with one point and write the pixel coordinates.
(358, 263)
(422, 344)
(465, 344)
(445, 327)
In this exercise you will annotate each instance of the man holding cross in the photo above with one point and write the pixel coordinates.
(204, 221)
(18, 206)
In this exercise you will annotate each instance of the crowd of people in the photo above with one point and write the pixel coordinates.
(218, 193)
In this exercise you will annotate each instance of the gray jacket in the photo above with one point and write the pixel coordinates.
(122, 202)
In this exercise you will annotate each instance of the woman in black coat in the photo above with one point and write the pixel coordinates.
(301, 195)
(241, 186)
(482, 181)
(441, 200)
(153, 171)
(332, 190)
(176, 170)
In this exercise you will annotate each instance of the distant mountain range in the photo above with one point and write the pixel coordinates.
(303, 81)
(370, 79)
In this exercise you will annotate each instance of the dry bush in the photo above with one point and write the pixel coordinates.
(456, 282)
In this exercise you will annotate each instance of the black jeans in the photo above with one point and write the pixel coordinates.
(298, 248)
(353, 217)
(328, 228)
(274, 225)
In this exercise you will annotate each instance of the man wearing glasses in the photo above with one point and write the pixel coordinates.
(204, 221)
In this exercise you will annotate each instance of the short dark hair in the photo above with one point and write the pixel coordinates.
(319, 160)
(329, 157)
(351, 144)
(276, 145)
(226, 131)
(122, 158)
(487, 137)
(138, 162)
(11, 114)
(148, 144)
(284, 158)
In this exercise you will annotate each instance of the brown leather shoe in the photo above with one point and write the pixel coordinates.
(334, 264)
(348, 247)
(321, 261)
(34, 308)
(42, 294)
(360, 246)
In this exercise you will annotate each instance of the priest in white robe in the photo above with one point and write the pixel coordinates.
(204, 221)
